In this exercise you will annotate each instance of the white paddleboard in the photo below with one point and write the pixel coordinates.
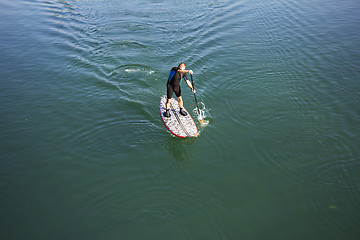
(177, 124)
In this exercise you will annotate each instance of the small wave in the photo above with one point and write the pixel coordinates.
(133, 68)
(202, 114)
(130, 44)
(130, 70)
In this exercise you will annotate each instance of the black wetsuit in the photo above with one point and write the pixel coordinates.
(173, 83)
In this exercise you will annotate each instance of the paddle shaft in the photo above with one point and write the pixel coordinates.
(197, 105)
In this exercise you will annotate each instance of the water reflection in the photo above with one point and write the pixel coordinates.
(182, 149)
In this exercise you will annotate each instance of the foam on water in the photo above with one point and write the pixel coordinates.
(129, 70)
(204, 113)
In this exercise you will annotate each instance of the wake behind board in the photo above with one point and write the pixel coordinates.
(177, 124)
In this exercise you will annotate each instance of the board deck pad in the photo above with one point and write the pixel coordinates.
(177, 124)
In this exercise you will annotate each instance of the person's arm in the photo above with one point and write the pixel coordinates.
(190, 85)
(187, 80)
(185, 71)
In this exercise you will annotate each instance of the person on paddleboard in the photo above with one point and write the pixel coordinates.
(173, 85)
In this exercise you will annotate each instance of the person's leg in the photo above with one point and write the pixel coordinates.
(168, 104)
(169, 94)
(181, 105)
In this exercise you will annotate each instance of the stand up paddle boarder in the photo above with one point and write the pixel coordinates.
(173, 85)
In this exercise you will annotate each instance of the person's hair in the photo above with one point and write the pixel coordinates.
(182, 64)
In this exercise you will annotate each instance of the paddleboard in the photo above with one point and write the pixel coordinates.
(177, 124)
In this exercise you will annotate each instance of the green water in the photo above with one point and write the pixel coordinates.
(85, 155)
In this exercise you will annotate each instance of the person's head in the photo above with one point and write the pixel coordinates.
(182, 66)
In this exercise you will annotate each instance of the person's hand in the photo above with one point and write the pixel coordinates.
(191, 72)
(193, 90)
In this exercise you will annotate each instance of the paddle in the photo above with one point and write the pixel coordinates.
(197, 105)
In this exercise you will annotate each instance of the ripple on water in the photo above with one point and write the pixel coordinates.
(103, 84)
(335, 184)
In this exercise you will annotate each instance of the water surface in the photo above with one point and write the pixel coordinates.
(85, 155)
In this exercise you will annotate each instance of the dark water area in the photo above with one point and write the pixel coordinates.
(84, 153)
